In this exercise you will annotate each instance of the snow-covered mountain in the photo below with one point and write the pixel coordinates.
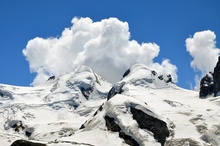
(81, 108)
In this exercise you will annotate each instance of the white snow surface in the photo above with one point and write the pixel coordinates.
(55, 111)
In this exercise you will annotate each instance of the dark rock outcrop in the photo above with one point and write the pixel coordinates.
(18, 126)
(126, 73)
(206, 86)
(86, 91)
(51, 78)
(169, 78)
(157, 127)
(26, 143)
(160, 77)
(113, 126)
(216, 77)
(210, 84)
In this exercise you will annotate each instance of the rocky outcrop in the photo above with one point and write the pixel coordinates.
(210, 83)
(18, 126)
(127, 72)
(113, 126)
(206, 86)
(216, 78)
(157, 127)
(26, 143)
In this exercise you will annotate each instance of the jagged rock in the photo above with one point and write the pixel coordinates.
(154, 72)
(26, 143)
(157, 127)
(128, 139)
(169, 78)
(113, 126)
(206, 86)
(160, 77)
(216, 77)
(210, 84)
(126, 73)
(51, 78)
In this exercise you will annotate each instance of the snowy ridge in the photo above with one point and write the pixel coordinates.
(81, 108)
(141, 75)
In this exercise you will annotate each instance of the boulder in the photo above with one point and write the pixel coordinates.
(26, 143)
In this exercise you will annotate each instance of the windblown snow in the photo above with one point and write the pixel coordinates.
(81, 108)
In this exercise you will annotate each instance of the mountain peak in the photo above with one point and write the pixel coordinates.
(81, 108)
(141, 75)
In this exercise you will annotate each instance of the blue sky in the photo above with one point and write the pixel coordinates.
(166, 23)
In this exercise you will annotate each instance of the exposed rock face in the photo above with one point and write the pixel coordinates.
(126, 73)
(26, 143)
(206, 86)
(156, 126)
(113, 126)
(210, 84)
(18, 126)
(51, 78)
(216, 78)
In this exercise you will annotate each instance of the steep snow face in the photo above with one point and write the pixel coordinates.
(52, 110)
(141, 75)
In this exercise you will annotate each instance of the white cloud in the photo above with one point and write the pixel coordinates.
(204, 52)
(105, 46)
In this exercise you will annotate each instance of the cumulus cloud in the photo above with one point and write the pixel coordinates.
(204, 52)
(105, 46)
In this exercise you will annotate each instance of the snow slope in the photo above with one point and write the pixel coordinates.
(55, 109)
(76, 109)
